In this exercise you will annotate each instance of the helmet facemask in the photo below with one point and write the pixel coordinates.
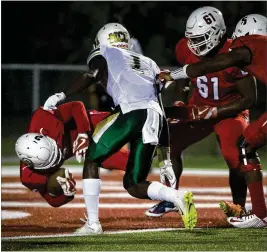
(202, 44)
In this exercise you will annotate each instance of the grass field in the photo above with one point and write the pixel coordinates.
(209, 239)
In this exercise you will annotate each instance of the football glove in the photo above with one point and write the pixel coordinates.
(67, 184)
(177, 104)
(164, 76)
(53, 100)
(167, 175)
(80, 146)
(196, 113)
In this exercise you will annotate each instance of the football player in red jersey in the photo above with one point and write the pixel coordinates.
(249, 52)
(60, 134)
(223, 98)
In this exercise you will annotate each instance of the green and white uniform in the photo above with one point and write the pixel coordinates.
(137, 118)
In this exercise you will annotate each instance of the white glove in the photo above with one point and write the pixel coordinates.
(80, 146)
(53, 100)
(67, 184)
(166, 172)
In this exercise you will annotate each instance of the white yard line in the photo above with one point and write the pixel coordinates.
(101, 205)
(107, 232)
(108, 186)
(13, 171)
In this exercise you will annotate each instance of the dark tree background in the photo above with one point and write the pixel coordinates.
(63, 32)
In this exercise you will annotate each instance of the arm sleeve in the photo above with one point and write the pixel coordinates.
(32, 180)
(77, 111)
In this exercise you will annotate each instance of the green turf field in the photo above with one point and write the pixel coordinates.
(229, 239)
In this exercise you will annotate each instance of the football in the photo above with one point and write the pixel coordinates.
(52, 186)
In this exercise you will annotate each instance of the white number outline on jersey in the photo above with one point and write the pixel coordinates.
(203, 88)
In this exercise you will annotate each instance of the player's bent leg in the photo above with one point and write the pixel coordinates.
(183, 201)
(182, 135)
(136, 184)
(227, 132)
(109, 136)
(165, 207)
(252, 170)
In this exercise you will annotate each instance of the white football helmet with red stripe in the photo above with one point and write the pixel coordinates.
(204, 29)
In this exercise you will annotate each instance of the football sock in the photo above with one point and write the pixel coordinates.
(91, 190)
(158, 191)
(257, 199)
(238, 186)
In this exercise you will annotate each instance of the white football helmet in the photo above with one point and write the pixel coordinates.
(38, 151)
(204, 29)
(112, 34)
(251, 24)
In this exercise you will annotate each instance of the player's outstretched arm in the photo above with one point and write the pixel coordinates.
(80, 83)
(237, 57)
(240, 57)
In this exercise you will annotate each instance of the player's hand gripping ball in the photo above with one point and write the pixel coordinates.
(61, 182)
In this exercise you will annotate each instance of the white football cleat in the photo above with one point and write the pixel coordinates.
(93, 229)
(247, 221)
(187, 209)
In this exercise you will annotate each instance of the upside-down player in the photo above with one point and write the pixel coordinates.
(249, 52)
(53, 137)
(221, 99)
(129, 78)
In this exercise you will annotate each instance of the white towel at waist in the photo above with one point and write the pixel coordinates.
(128, 107)
(150, 131)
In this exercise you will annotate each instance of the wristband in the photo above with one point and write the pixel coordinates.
(180, 73)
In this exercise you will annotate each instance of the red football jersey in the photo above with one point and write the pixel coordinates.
(214, 89)
(257, 45)
(59, 125)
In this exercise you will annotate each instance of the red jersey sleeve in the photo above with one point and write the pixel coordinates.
(58, 200)
(37, 182)
(77, 111)
(180, 51)
(240, 42)
(32, 180)
(257, 45)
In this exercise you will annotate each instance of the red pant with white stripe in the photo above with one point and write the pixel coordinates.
(256, 133)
